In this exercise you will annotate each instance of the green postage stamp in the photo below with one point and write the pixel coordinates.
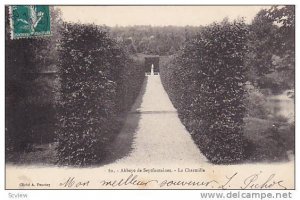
(29, 21)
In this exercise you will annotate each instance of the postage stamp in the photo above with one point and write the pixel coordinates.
(30, 21)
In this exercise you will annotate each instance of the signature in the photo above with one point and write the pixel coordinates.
(253, 181)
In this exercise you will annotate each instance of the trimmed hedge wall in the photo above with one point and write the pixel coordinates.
(99, 83)
(30, 90)
(205, 83)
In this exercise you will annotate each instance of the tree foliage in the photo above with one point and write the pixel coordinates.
(93, 76)
(153, 40)
(30, 92)
(205, 83)
(272, 48)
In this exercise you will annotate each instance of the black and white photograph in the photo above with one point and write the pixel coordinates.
(197, 97)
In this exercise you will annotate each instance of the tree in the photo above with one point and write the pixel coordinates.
(272, 48)
(261, 43)
(284, 17)
(30, 101)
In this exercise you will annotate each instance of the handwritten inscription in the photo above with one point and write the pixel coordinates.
(131, 180)
(73, 183)
(253, 181)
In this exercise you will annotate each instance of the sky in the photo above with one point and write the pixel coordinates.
(156, 15)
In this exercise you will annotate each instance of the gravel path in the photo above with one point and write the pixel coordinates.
(158, 135)
(153, 137)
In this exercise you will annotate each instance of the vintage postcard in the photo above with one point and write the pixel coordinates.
(150, 97)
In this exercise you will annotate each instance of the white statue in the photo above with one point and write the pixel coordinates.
(152, 69)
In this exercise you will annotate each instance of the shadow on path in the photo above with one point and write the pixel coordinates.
(122, 144)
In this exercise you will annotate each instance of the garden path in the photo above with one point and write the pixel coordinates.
(153, 138)
(158, 134)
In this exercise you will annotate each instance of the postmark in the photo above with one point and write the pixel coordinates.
(30, 21)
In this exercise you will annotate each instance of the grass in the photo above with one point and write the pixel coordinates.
(44, 154)
(267, 140)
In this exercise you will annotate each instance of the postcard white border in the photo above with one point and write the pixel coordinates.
(128, 194)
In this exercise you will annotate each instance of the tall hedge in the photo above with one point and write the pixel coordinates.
(93, 71)
(30, 91)
(205, 83)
